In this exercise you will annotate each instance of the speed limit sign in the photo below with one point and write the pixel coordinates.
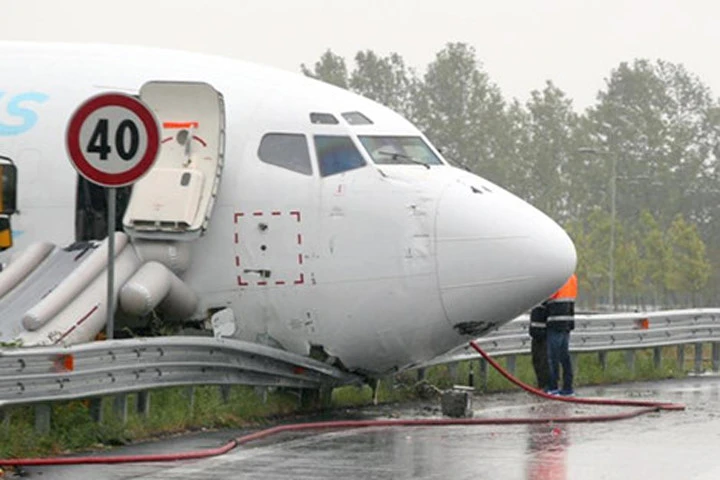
(112, 139)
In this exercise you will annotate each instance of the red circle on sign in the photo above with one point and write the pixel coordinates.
(83, 166)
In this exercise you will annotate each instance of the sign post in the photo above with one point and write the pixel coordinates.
(112, 140)
(111, 204)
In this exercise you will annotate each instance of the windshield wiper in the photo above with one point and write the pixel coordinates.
(396, 155)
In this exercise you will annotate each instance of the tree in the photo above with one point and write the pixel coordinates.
(691, 270)
(547, 150)
(591, 242)
(386, 80)
(629, 270)
(653, 123)
(656, 256)
(330, 68)
(462, 111)
(659, 126)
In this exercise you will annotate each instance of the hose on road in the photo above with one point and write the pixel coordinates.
(643, 408)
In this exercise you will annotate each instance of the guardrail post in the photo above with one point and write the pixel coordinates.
(5, 420)
(95, 408)
(43, 413)
(298, 393)
(320, 398)
(715, 356)
(262, 392)
(453, 371)
(681, 358)
(698, 358)
(657, 357)
(483, 374)
(120, 407)
(630, 360)
(574, 363)
(190, 394)
(143, 403)
(510, 364)
(420, 374)
(225, 393)
(602, 358)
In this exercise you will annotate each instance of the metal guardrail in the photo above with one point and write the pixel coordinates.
(603, 332)
(41, 374)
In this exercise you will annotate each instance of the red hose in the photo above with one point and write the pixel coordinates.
(646, 407)
(586, 401)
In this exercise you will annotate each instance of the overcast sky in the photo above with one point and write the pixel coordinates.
(521, 43)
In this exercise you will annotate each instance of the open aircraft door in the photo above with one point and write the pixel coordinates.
(8, 200)
(174, 200)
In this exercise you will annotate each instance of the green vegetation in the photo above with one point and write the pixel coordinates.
(172, 410)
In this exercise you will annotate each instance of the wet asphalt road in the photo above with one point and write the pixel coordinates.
(658, 446)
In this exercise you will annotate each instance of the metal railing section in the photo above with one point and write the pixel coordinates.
(41, 374)
(603, 332)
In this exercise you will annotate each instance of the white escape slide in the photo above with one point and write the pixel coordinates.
(51, 295)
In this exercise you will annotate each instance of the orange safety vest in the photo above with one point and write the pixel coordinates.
(567, 291)
(561, 306)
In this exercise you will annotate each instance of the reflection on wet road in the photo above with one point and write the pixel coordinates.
(666, 445)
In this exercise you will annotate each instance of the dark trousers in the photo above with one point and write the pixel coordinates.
(559, 355)
(539, 351)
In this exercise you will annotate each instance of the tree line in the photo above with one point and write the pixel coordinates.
(646, 154)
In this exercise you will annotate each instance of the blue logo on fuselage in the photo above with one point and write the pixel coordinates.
(18, 111)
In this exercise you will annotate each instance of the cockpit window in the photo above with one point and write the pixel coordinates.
(323, 118)
(286, 150)
(386, 150)
(337, 154)
(356, 118)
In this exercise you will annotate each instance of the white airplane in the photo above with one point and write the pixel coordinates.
(281, 210)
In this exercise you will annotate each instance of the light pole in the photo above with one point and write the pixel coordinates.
(613, 203)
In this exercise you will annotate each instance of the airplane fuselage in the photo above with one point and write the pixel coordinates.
(380, 265)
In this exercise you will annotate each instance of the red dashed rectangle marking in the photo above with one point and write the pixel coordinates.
(276, 213)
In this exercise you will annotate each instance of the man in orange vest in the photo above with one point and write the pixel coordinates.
(560, 321)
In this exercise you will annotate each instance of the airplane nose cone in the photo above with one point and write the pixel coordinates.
(497, 257)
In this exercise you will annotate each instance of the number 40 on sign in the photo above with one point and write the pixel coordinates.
(113, 139)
